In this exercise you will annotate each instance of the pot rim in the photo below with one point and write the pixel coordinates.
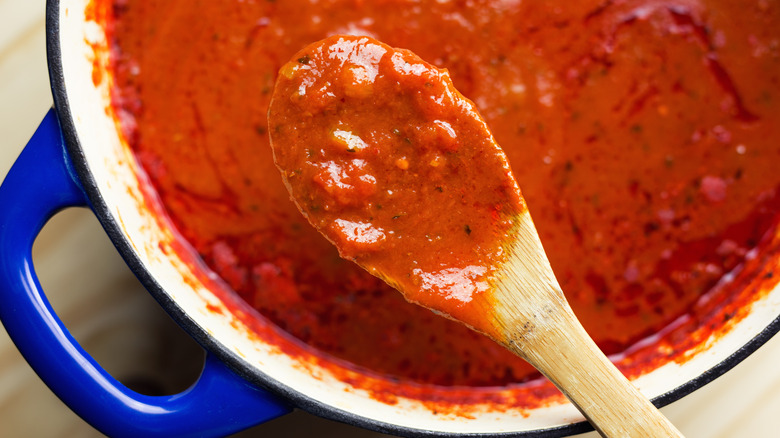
(101, 209)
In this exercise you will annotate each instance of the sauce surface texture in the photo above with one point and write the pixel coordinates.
(644, 135)
(394, 166)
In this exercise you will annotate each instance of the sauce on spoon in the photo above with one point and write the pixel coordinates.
(393, 165)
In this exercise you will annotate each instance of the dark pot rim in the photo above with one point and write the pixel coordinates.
(101, 210)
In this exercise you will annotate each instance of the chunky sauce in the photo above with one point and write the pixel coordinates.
(394, 166)
(644, 135)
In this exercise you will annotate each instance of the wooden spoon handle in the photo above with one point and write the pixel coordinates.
(573, 362)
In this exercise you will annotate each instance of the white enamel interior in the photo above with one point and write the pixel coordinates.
(115, 174)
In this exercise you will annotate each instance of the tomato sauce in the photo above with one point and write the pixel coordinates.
(394, 166)
(644, 134)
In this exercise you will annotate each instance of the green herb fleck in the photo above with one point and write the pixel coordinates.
(304, 59)
(439, 189)
(467, 229)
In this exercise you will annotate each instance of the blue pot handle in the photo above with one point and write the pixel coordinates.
(41, 183)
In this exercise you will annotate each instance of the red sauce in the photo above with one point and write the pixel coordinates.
(394, 166)
(644, 135)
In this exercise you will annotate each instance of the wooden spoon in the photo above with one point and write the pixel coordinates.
(394, 166)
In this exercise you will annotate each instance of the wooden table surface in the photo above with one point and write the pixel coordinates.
(115, 319)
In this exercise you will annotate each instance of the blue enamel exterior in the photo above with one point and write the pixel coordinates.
(40, 184)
